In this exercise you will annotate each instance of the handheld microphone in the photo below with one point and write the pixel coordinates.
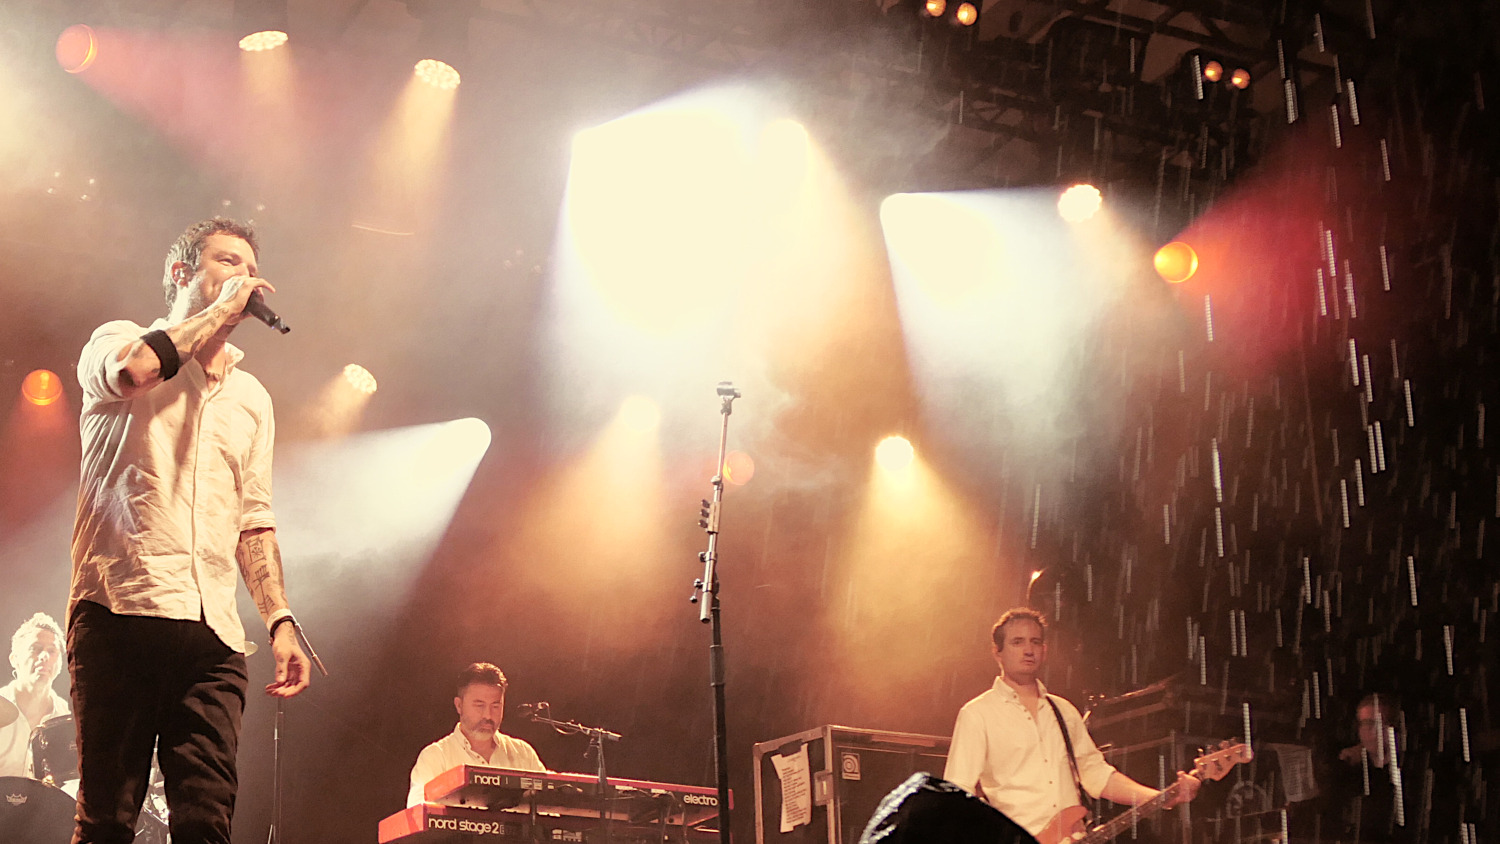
(258, 308)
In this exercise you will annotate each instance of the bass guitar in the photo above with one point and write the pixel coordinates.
(1070, 826)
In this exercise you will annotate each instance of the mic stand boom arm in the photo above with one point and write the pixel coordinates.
(597, 737)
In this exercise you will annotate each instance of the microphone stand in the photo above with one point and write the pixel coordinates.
(708, 610)
(597, 737)
(274, 836)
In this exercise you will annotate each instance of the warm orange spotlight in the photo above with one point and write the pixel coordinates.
(640, 414)
(1176, 262)
(258, 42)
(1240, 78)
(966, 14)
(42, 387)
(738, 468)
(1213, 71)
(360, 379)
(894, 453)
(77, 47)
(1079, 203)
(440, 75)
(935, 8)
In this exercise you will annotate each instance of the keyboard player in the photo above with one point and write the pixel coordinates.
(477, 739)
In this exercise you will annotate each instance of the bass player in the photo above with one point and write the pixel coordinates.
(1010, 750)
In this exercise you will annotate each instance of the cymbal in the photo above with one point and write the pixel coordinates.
(8, 713)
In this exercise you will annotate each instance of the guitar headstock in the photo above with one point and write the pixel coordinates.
(1215, 765)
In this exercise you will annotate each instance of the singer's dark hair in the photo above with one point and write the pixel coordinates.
(188, 248)
(482, 673)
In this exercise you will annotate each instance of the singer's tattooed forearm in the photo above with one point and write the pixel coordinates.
(259, 557)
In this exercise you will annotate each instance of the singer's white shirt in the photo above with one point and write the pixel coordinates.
(169, 480)
(454, 749)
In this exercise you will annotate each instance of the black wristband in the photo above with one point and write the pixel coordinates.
(166, 352)
(278, 622)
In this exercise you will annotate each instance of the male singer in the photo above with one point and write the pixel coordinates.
(175, 488)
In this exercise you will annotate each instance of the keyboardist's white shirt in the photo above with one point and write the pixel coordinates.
(454, 749)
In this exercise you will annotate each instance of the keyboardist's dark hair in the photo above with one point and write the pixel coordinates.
(482, 673)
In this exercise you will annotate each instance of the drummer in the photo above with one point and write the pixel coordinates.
(28, 700)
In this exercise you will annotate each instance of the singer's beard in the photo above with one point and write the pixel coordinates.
(198, 302)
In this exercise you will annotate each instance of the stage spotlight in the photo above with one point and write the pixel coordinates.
(894, 453)
(951, 249)
(41, 387)
(1176, 262)
(455, 443)
(259, 42)
(77, 47)
(263, 22)
(1079, 203)
(1240, 78)
(443, 46)
(640, 414)
(935, 8)
(360, 379)
(967, 14)
(1213, 71)
(440, 75)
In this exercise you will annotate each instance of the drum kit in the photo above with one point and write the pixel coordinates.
(40, 810)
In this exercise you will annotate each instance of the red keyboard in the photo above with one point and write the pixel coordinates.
(500, 804)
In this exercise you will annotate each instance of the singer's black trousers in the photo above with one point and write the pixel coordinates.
(138, 680)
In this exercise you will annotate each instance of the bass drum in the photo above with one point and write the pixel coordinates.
(54, 751)
(34, 812)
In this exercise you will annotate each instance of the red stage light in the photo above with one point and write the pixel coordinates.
(1176, 262)
(1213, 71)
(1240, 78)
(42, 387)
(77, 47)
(935, 8)
(738, 468)
(967, 14)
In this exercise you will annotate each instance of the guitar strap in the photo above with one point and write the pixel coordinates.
(1072, 760)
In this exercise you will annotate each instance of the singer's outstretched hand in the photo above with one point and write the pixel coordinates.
(293, 673)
